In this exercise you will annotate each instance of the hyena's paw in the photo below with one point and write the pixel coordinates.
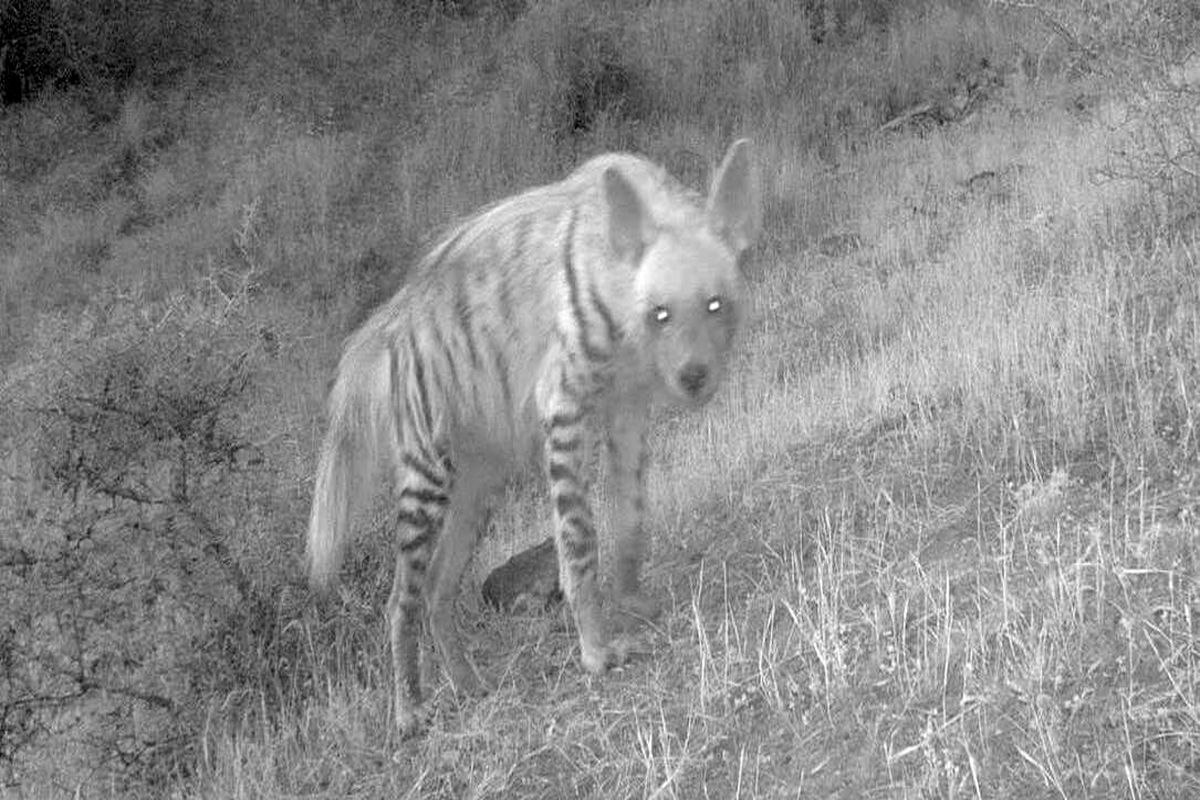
(410, 721)
(599, 658)
(464, 675)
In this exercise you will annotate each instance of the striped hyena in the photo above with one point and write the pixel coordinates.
(569, 305)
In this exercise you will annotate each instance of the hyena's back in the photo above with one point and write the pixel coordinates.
(482, 309)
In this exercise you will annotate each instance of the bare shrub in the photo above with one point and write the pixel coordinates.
(137, 581)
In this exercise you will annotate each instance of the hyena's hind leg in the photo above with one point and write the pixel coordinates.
(424, 496)
(460, 533)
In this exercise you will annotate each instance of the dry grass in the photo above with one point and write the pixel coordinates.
(936, 536)
(907, 566)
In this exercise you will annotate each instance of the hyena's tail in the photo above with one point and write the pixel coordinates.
(358, 427)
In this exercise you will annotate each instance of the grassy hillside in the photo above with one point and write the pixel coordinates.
(935, 538)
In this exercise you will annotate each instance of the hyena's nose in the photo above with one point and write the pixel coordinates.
(692, 378)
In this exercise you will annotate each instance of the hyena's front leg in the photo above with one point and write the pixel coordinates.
(627, 456)
(575, 530)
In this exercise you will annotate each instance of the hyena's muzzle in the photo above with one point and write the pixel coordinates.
(692, 358)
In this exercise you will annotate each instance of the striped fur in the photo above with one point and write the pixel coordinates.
(565, 308)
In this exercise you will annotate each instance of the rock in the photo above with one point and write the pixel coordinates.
(526, 582)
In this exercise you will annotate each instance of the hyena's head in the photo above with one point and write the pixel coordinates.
(687, 285)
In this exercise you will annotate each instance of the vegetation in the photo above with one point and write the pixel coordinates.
(935, 538)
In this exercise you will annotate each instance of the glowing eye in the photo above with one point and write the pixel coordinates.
(661, 315)
(715, 304)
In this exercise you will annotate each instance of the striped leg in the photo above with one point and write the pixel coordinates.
(464, 524)
(575, 530)
(627, 466)
(424, 497)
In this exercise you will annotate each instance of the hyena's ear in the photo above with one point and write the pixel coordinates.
(630, 226)
(734, 210)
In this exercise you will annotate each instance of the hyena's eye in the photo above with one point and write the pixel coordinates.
(661, 315)
(715, 304)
